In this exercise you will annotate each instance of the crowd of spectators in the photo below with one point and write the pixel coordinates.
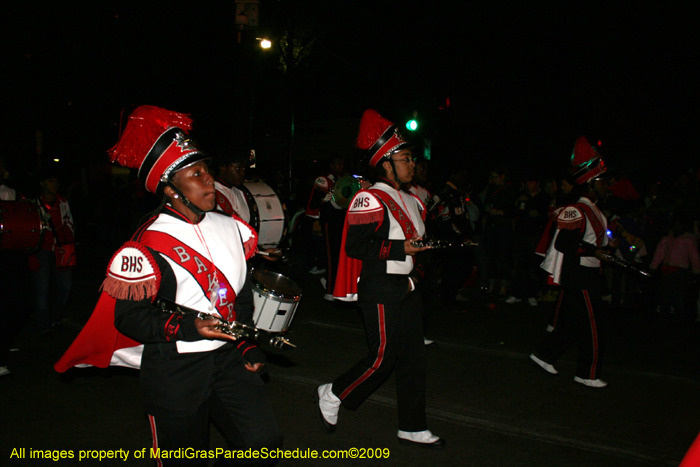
(506, 215)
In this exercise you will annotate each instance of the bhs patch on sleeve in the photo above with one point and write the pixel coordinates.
(570, 218)
(132, 273)
(365, 208)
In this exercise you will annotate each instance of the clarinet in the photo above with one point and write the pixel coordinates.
(436, 244)
(234, 328)
(626, 264)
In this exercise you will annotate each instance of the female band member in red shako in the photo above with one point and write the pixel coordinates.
(380, 268)
(186, 256)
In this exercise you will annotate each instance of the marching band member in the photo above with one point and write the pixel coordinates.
(380, 268)
(231, 198)
(191, 256)
(52, 264)
(311, 228)
(573, 260)
(331, 219)
(230, 177)
(418, 186)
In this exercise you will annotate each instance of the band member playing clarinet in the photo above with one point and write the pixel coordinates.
(380, 227)
(573, 260)
(189, 255)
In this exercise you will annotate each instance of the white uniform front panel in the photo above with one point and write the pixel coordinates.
(411, 206)
(590, 237)
(221, 240)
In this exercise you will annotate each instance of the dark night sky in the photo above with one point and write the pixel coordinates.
(523, 81)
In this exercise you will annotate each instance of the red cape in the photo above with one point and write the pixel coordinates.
(348, 273)
(99, 339)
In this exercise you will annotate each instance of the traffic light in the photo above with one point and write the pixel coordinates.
(412, 124)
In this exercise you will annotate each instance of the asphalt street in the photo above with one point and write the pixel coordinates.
(484, 397)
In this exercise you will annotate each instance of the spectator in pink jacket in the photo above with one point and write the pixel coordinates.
(676, 255)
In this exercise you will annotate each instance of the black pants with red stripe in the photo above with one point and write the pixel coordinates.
(395, 340)
(579, 319)
(237, 405)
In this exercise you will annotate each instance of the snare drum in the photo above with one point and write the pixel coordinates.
(266, 214)
(20, 226)
(275, 298)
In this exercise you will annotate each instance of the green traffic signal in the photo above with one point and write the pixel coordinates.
(412, 125)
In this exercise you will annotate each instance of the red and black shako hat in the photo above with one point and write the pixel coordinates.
(589, 163)
(156, 142)
(379, 137)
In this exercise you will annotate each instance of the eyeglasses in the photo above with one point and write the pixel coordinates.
(408, 160)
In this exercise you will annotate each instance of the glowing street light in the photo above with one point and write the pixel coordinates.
(265, 44)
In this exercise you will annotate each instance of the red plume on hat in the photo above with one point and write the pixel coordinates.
(588, 161)
(378, 136)
(156, 142)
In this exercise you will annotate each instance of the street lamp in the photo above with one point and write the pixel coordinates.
(265, 44)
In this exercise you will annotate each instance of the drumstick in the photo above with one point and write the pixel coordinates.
(274, 253)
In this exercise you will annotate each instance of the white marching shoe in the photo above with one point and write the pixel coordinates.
(327, 406)
(421, 438)
(544, 365)
(591, 383)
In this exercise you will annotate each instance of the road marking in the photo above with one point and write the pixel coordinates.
(540, 432)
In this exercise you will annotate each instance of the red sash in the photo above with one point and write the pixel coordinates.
(201, 269)
(224, 203)
(402, 218)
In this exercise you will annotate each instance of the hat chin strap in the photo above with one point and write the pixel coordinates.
(396, 174)
(393, 168)
(190, 205)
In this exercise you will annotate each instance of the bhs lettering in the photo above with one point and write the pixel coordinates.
(132, 263)
(362, 202)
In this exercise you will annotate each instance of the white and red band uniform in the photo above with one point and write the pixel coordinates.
(365, 203)
(570, 218)
(423, 194)
(232, 200)
(133, 274)
(322, 187)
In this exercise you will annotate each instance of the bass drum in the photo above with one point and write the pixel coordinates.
(266, 214)
(20, 226)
